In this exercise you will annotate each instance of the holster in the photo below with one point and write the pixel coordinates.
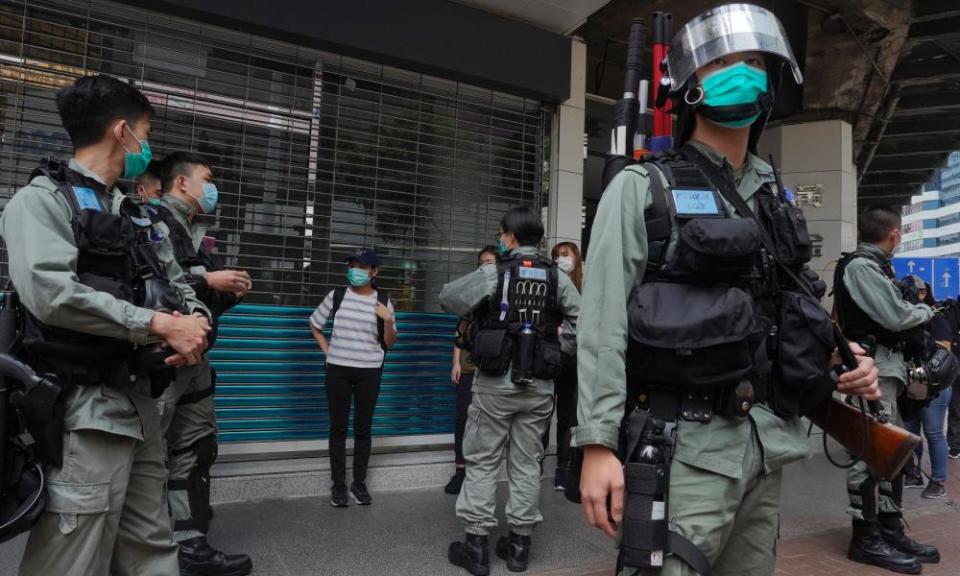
(41, 407)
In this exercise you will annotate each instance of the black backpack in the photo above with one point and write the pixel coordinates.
(950, 310)
(382, 298)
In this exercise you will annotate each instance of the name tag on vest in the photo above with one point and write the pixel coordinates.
(695, 203)
(87, 198)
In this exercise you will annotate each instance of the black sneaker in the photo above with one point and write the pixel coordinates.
(560, 480)
(934, 490)
(338, 496)
(360, 495)
(913, 481)
(954, 453)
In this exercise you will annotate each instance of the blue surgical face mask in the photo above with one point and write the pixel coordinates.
(736, 85)
(358, 277)
(207, 200)
(135, 164)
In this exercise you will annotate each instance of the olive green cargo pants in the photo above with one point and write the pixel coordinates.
(503, 427)
(106, 514)
(187, 416)
(735, 522)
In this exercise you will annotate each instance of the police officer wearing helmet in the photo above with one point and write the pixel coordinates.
(100, 292)
(871, 308)
(697, 258)
(524, 313)
(187, 207)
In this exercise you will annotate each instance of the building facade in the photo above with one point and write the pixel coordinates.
(931, 222)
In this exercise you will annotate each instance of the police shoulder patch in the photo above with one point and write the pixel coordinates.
(87, 198)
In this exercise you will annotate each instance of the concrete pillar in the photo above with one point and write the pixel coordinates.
(816, 162)
(563, 220)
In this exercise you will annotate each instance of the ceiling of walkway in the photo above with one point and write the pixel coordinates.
(891, 68)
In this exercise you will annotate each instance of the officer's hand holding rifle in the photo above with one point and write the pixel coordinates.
(187, 335)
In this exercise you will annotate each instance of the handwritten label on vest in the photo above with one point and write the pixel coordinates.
(533, 274)
(695, 202)
(87, 198)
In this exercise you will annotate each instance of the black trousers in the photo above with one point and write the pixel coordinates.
(953, 418)
(464, 397)
(565, 388)
(363, 384)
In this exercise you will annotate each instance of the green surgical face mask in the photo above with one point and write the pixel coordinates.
(501, 247)
(358, 277)
(135, 164)
(736, 85)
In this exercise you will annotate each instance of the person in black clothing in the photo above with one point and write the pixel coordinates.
(462, 375)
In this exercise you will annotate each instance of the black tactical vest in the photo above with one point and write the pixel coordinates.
(856, 324)
(708, 313)
(115, 255)
(519, 324)
(216, 301)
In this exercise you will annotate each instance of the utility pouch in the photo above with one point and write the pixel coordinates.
(41, 405)
(548, 359)
(806, 342)
(716, 248)
(644, 519)
(493, 351)
(790, 235)
(690, 335)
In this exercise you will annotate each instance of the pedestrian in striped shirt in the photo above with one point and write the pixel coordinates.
(363, 329)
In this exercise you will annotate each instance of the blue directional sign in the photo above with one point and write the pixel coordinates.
(922, 267)
(946, 278)
(943, 274)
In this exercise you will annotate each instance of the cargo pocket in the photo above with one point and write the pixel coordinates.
(73, 501)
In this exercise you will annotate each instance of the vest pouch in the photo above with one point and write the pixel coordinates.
(789, 227)
(716, 247)
(493, 351)
(103, 244)
(548, 359)
(691, 335)
(805, 344)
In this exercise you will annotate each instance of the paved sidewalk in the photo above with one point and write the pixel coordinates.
(407, 533)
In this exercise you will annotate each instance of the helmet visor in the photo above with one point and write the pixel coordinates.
(725, 30)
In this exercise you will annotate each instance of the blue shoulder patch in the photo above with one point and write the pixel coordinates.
(87, 198)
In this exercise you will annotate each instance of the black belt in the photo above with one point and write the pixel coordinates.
(670, 403)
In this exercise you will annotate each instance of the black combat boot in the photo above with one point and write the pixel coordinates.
(891, 528)
(473, 555)
(515, 549)
(198, 558)
(869, 547)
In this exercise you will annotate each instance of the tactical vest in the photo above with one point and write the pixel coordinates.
(115, 254)
(712, 310)
(856, 324)
(518, 327)
(187, 257)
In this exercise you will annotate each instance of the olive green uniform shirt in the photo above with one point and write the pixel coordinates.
(882, 301)
(616, 262)
(194, 224)
(465, 294)
(36, 227)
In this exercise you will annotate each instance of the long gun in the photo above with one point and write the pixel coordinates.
(883, 447)
(662, 138)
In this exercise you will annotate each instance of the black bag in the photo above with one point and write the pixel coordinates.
(547, 360)
(691, 335)
(806, 341)
(716, 248)
(493, 351)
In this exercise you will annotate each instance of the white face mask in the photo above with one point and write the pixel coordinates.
(565, 263)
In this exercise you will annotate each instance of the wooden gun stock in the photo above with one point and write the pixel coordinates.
(884, 448)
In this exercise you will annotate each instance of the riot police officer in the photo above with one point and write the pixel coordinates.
(870, 307)
(188, 203)
(91, 272)
(148, 184)
(693, 257)
(524, 313)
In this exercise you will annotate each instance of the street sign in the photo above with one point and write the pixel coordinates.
(946, 283)
(922, 267)
(942, 274)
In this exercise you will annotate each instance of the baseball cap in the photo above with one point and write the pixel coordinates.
(364, 256)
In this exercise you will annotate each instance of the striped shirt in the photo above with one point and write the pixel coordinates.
(354, 340)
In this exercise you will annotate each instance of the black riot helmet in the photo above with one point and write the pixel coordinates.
(716, 33)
